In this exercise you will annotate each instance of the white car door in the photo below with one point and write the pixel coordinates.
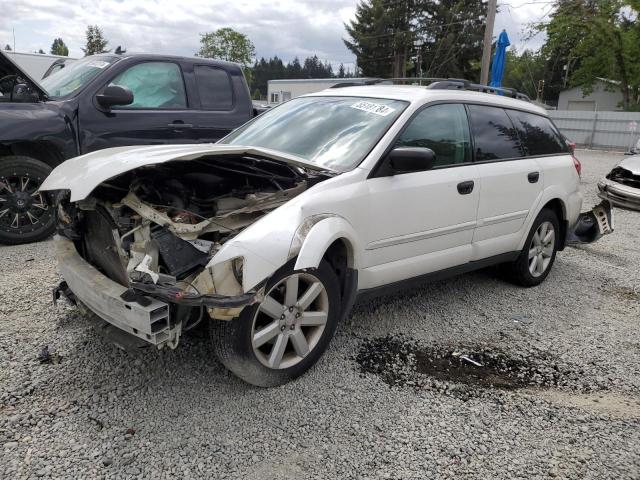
(510, 183)
(423, 221)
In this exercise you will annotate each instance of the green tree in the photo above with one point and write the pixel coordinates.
(341, 73)
(7, 47)
(524, 72)
(58, 47)
(41, 52)
(227, 44)
(381, 36)
(588, 39)
(384, 35)
(96, 43)
(257, 95)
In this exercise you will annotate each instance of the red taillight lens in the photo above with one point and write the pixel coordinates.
(577, 164)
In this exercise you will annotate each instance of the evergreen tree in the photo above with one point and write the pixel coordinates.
(384, 34)
(59, 48)
(341, 73)
(96, 43)
(7, 47)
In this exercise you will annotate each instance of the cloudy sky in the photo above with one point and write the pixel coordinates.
(286, 28)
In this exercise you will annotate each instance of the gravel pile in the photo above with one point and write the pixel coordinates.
(390, 399)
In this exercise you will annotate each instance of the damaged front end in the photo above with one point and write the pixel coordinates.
(138, 251)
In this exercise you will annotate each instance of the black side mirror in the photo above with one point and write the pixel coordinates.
(410, 159)
(115, 95)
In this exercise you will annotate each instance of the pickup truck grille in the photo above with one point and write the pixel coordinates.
(625, 177)
(100, 246)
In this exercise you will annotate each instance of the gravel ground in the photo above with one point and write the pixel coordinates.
(566, 354)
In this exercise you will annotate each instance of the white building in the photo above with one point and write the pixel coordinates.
(34, 64)
(279, 91)
(606, 96)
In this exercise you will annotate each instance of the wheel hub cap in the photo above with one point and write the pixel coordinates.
(541, 249)
(290, 320)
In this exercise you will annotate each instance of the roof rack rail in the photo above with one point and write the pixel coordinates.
(462, 84)
(437, 84)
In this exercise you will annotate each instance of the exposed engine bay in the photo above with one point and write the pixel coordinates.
(154, 229)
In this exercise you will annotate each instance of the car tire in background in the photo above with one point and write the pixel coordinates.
(26, 215)
(280, 338)
(535, 261)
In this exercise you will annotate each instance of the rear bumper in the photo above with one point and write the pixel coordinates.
(145, 316)
(619, 195)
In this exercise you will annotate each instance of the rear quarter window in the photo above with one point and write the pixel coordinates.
(538, 135)
(214, 88)
(494, 136)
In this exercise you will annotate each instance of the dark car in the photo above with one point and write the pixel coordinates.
(98, 102)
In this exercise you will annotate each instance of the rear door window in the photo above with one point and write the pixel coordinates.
(214, 88)
(537, 134)
(442, 128)
(495, 137)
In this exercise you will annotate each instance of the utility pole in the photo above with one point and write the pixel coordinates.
(486, 46)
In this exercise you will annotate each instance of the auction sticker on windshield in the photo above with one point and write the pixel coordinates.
(371, 107)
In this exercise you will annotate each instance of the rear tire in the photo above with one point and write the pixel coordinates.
(25, 214)
(534, 263)
(279, 339)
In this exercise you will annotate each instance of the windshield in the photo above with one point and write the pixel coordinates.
(333, 132)
(75, 76)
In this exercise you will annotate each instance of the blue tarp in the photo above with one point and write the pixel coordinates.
(499, 60)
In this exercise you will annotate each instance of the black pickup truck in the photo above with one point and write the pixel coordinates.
(104, 101)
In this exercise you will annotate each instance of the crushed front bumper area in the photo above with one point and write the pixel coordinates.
(147, 317)
(622, 196)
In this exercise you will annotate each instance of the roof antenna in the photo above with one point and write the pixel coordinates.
(120, 51)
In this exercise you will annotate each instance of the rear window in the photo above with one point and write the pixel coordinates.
(537, 134)
(494, 135)
(214, 88)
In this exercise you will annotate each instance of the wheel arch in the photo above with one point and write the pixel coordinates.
(334, 241)
(560, 209)
(42, 150)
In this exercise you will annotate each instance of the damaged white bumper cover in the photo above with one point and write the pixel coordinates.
(145, 317)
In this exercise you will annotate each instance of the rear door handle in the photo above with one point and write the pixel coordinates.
(180, 125)
(465, 188)
(533, 177)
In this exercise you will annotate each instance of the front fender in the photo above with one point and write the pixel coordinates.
(320, 238)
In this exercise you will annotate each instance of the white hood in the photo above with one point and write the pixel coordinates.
(83, 174)
(632, 164)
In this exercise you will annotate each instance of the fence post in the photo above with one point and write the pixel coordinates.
(593, 128)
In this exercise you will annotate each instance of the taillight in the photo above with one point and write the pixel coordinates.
(578, 165)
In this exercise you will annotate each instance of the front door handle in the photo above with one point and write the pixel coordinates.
(179, 124)
(465, 188)
(533, 177)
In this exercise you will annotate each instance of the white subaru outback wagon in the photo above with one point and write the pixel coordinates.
(271, 234)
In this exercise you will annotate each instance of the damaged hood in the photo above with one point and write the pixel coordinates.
(81, 175)
(9, 67)
(632, 164)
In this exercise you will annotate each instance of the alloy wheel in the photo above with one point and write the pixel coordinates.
(23, 208)
(289, 322)
(541, 249)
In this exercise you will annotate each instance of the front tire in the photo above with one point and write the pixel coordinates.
(534, 263)
(26, 215)
(279, 339)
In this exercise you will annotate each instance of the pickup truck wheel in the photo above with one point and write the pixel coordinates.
(26, 215)
(536, 259)
(280, 338)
